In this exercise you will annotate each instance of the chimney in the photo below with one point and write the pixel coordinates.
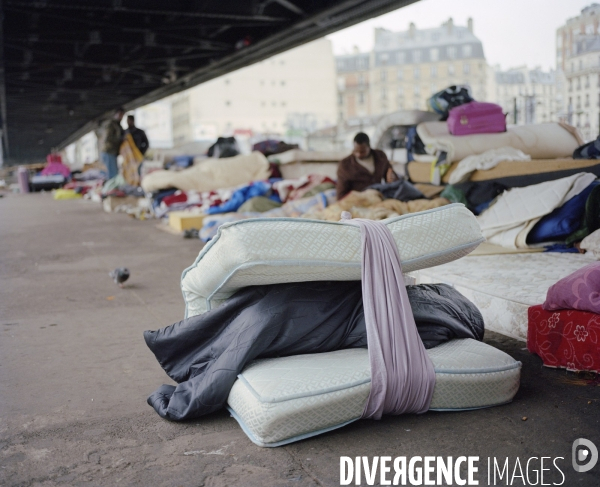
(470, 24)
(355, 49)
(450, 25)
(412, 29)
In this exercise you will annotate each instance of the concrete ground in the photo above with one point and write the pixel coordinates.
(75, 374)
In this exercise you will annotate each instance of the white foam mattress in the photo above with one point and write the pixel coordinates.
(279, 250)
(503, 287)
(281, 400)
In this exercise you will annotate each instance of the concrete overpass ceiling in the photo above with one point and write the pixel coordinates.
(69, 63)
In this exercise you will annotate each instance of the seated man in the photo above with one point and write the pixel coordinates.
(364, 167)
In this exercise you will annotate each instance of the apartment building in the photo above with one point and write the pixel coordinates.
(578, 60)
(405, 68)
(526, 95)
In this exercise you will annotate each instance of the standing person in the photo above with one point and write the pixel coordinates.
(139, 136)
(362, 168)
(113, 136)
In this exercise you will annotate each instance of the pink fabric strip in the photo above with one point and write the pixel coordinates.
(402, 374)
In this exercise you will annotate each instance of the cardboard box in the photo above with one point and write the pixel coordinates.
(184, 220)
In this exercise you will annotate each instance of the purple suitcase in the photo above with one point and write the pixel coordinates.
(476, 118)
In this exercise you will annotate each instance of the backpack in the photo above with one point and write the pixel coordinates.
(451, 97)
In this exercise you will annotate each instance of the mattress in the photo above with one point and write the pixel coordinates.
(278, 250)
(540, 141)
(567, 339)
(282, 400)
(211, 174)
(419, 172)
(504, 286)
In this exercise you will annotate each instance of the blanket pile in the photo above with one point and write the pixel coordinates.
(205, 353)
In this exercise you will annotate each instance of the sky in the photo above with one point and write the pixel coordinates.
(513, 32)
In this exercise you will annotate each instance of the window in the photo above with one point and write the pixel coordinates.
(400, 91)
(451, 70)
(383, 75)
(400, 57)
(451, 52)
(417, 90)
(433, 71)
(361, 97)
(383, 58)
(578, 83)
(466, 68)
(434, 54)
(340, 99)
(580, 64)
(417, 72)
(416, 57)
(361, 80)
(383, 93)
(400, 74)
(467, 50)
(589, 29)
(587, 100)
(433, 88)
(587, 81)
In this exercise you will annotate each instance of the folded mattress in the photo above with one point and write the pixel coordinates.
(279, 250)
(282, 400)
(504, 286)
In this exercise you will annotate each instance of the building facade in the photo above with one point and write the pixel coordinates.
(526, 95)
(406, 68)
(286, 96)
(578, 62)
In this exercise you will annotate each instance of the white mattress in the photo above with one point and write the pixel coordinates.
(281, 400)
(278, 250)
(504, 286)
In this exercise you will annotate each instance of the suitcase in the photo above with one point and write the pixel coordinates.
(476, 118)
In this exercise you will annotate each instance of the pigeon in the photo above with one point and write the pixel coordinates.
(119, 275)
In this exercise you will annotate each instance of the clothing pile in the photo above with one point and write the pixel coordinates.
(541, 214)
(53, 176)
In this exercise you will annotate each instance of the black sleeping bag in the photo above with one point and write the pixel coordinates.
(204, 354)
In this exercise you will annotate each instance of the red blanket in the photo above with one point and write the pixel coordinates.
(567, 338)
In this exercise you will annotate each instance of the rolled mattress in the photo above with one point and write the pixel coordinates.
(279, 250)
(282, 400)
